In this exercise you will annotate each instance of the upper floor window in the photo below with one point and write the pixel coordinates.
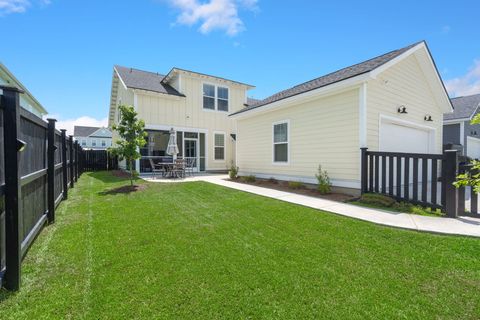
(215, 97)
(208, 96)
(104, 143)
(94, 143)
(84, 143)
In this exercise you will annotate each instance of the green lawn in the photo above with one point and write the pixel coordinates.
(200, 251)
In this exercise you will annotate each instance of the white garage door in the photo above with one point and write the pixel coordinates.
(473, 148)
(396, 137)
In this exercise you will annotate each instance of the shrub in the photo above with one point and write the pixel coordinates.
(406, 207)
(233, 172)
(324, 185)
(295, 185)
(249, 178)
(377, 199)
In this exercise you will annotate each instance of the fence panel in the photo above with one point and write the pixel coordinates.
(33, 171)
(58, 168)
(2, 198)
(98, 160)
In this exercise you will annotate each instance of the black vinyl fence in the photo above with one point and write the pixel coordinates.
(97, 160)
(38, 164)
(424, 179)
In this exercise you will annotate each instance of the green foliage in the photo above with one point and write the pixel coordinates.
(472, 177)
(249, 178)
(377, 199)
(233, 172)
(295, 185)
(324, 185)
(132, 137)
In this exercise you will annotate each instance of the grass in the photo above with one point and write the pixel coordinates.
(200, 251)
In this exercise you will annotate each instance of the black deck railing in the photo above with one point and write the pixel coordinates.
(37, 165)
(424, 179)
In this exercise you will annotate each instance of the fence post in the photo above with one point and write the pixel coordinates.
(364, 170)
(64, 164)
(70, 143)
(450, 164)
(51, 170)
(75, 150)
(13, 209)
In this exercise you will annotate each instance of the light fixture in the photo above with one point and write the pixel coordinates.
(428, 118)
(21, 145)
(402, 109)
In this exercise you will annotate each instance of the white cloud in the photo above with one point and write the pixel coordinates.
(467, 84)
(213, 14)
(68, 124)
(18, 6)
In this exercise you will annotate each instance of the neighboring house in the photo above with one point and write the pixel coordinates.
(394, 102)
(93, 137)
(195, 105)
(457, 129)
(27, 100)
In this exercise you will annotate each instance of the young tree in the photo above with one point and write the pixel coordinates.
(132, 134)
(472, 177)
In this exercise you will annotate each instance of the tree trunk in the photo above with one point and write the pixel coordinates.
(131, 172)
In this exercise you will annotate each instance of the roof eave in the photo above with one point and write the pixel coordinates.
(325, 90)
(175, 70)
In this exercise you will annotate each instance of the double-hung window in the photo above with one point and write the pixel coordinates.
(94, 143)
(104, 143)
(280, 142)
(222, 99)
(215, 97)
(84, 143)
(208, 96)
(219, 146)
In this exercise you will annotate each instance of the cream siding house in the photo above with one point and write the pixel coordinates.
(27, 100)
(195, 105)
(394, 102)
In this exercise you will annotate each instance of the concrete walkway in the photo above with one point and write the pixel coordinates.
(461, 226)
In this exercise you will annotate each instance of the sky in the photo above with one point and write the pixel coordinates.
(63, 51)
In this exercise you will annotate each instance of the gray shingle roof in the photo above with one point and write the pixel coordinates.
(464, 107)
(81, 131)
(252, 101)
(150, 81)
(340, 75)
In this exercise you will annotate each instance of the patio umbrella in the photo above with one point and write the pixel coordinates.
(172, 148)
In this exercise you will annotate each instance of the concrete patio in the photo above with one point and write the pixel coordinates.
(461, 226)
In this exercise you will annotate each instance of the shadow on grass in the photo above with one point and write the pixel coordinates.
(123, 190)
(5, 295)
(111, 176)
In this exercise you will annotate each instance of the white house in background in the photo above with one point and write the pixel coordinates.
(195, 105)
(393, 102)
(93, 137)
(27, 100)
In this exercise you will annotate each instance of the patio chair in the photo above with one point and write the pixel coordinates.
(156, 169)
(178, 170)
(189, 166)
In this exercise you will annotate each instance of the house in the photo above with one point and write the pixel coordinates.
(457, 129)
(195, 105)
(93, 137)
(27, 100)
(394, 102)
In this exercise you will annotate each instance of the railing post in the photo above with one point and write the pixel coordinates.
(364, 170)
(450, 164)
(461, 193)
(64, 164)
(51, 170)
(70, 143)
(75, 149)
(13, 208)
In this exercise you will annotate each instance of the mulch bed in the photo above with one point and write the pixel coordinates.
(124, 189)
(306, 191)
(121, 174)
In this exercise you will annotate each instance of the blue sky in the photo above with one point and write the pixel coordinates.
(64, 50)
